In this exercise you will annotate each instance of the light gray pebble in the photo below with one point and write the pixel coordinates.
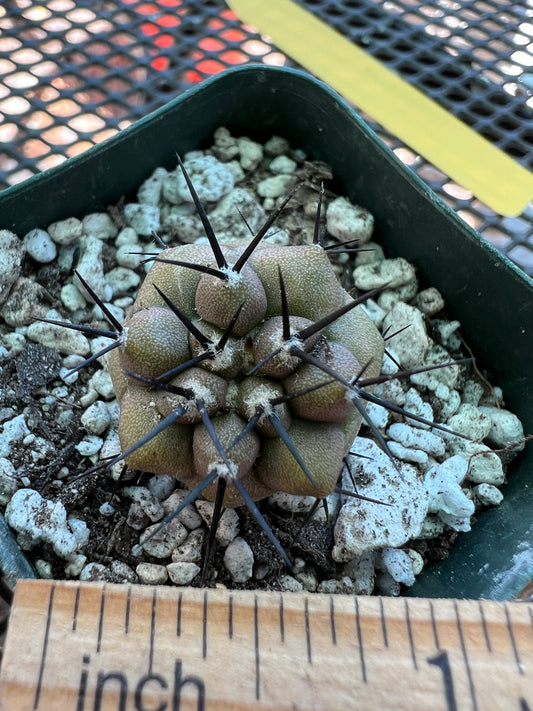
(40, 246)
(75, 565)
(89, 397)
(90, 445)
(289, 584)
(161, 485)
(361, 571)
(210, 177)
(59, 338)
(102, 383)
(411, 344)
(236, 170)
(98, 344)
(417, 406)
(12, 250)
(471, 422)
(484, 465)
(378, 414)
(144, 497)
(360, 528)
(188, 516)
(472, 392)
(430, 301)
(391, 391)
(292, 503)
(225, 216)
(250, 153)
(239, 560)
(128, 256)
(91, 268)
(43, 569)
(66, 232)
(149, 193)
(407, 454)
(191, 548)
(144, 219)
(505, 429)
(399, 565)
(308, 579)
(9, 482)
(447, 331)
(225, 146)
(121, 280)
(123, 571)
(127, 237)
(274, 187)
(113, 308)
(14, 342)
(72, 298)
(347, 221)
(187, 228)
(432, 527)
(445, 493)
(163, 543)
(96, 418)
(416, 438)
(136, 518)
(152, 573)
(13, 430)
(386, 584)
(374, 311)
(332, 586)
(182, 573)
(447, 374)
(228, 527)
(487, 495)
(100, 225)
(27, 300)
(283, 164)
(38, 520)
(106, 509)
(276, 145)
(373, 252)
(391, 272)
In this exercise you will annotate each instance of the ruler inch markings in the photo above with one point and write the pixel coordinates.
(100, 622)
(434, 625)
(513, 640)
(410, 635)
(256, 651)
(465, 657)
(360, 641)
(44, 650)
(204, 627)
(147, 667)
(332, 620)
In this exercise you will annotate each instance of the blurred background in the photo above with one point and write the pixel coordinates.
(74, 73)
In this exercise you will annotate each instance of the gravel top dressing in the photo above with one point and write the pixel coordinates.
(393, 512)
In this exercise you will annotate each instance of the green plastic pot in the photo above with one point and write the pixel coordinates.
(486, 292)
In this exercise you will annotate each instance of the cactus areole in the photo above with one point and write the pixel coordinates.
(243, 363)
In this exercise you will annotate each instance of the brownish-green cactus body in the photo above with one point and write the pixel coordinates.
(255, 389)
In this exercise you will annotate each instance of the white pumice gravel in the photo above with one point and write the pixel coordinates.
(39, 246)
(435, 485)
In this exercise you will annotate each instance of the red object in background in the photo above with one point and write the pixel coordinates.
(158, 26)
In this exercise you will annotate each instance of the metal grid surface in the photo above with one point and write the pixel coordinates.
(74, 73)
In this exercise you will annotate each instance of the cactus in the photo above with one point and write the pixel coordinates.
(242, 370)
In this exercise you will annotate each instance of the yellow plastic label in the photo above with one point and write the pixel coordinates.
(443, 140)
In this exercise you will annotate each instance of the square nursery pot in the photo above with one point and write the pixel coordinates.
(491, 298)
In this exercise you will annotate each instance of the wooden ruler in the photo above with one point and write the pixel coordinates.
(101, 647)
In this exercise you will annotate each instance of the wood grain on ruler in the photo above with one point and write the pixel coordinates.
(98, 647)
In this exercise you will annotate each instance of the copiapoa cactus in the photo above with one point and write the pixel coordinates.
(242, 370)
